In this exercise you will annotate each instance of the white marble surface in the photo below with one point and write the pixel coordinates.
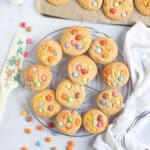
(12, 135)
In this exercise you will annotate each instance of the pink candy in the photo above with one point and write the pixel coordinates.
(29, 41)
(99, 124)
(26, 54)
(114, 94)
(73, 42)
(78, 67)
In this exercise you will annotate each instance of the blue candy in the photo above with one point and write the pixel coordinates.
(75, 74)
(121, 79)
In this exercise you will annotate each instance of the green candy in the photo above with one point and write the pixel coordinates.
(70, 100)
(37, 84)
(70, 119)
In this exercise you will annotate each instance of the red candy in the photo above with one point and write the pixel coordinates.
(103, 42)
(50, 125)
(22, 24)
(84, 71)
(48, 98)
(78, 37)
(112, 10)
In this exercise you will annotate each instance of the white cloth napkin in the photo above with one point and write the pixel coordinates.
(129, 129)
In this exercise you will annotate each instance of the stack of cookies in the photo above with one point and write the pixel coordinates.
(82, 69)
(113, 9)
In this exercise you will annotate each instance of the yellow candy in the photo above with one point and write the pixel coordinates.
(106, 49)
(43, 57)
(84, 80)
(38, 99)
(90, 67)
(40, 110)
(24, 113)
(118, 102)
(89, 117)
(93, 129)
(68, 85)
(85, 40)
(117, 73)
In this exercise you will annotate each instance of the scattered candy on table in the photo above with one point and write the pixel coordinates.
(55, 133)
(29, 41)
(26, 54)
(28, 131)
(24, 148)
(29, 29)
(22, 24)
(51, 125)
(69, 147)
(29, 118)
(40, 128)
(24, 112)
(71, 143)
(39, 143)
(48, 139)
(54, 148)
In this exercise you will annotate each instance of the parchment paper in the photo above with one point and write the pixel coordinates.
(74, 11)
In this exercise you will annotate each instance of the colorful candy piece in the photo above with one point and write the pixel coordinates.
(29, 41)
(39, 143)
(28, 131)
(23, 24)
(40, 128)
(48, 139)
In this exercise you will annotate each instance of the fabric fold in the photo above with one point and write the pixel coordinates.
(128, 128)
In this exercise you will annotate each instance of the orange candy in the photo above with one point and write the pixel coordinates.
(105, 55)
(77, 122)
(64, 96)
(69, 148)
(50, 59)
(40, 128)
(48, 139)
(24, 148)
(50, 49)
(28, 131)
(108, 71)
(68, 126)
(29, 29)
(71, 143)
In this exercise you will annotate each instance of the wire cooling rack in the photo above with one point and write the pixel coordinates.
(60, 72)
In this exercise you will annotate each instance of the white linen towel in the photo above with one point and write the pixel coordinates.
(129, 129)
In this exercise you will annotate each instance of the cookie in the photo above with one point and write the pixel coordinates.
(103, 50)
(58, 2)
(76, 40)
(49, 53)
(115, 74)
(91, 5)
(110, 101)
(94, 121)
(44, 104)
(82, 69)
(143, 6)
(68, 122)
(118, 9)
(37, 77)
(70, 94)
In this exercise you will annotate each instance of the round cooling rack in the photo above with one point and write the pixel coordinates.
(60, 72)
